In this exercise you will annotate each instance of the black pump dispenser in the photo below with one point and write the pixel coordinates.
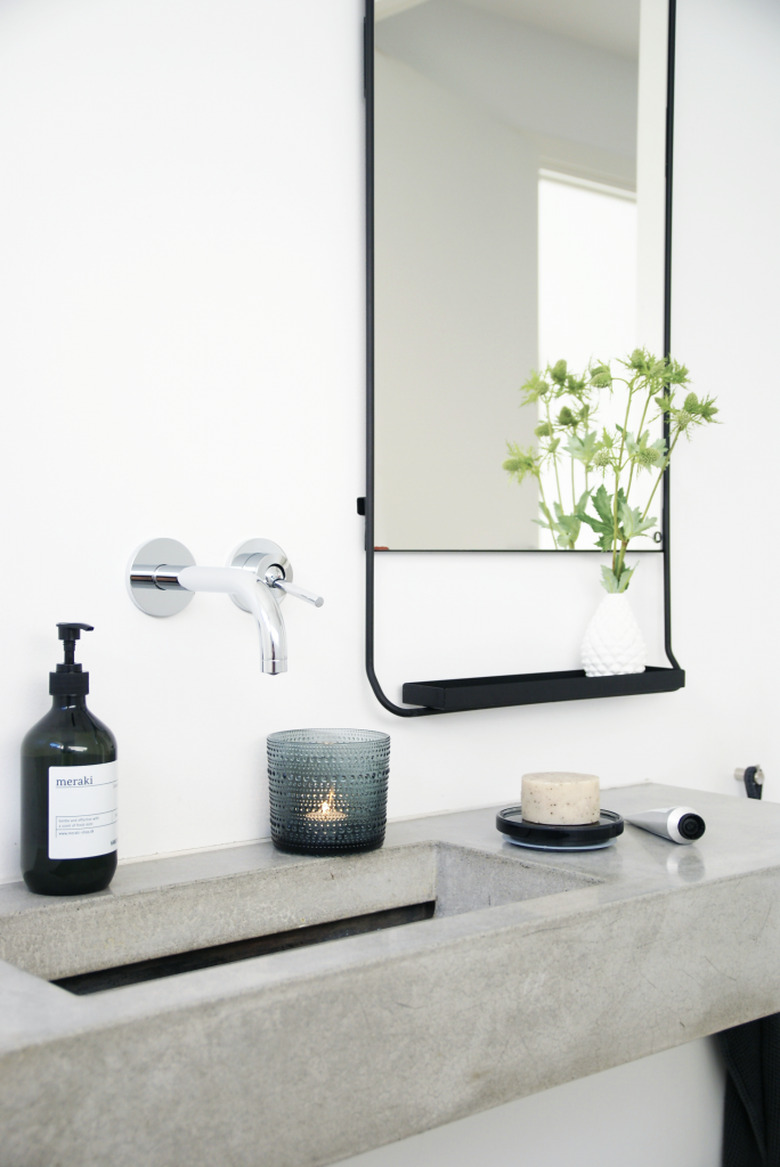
(69, 679)
(69, 837)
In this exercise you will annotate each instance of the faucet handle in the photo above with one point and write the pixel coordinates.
(275, 578)
(270, 566)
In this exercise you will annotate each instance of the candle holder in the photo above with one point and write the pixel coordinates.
(328, 790)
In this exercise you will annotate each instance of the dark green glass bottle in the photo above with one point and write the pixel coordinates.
(69, 809)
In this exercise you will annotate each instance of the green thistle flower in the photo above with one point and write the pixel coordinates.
(558, 372)
(619, 454)
(534, 388)
(521, 462)
(675, 374)
(640, 360)
(601, 377)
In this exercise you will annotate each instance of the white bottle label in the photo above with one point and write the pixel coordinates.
(82, 810)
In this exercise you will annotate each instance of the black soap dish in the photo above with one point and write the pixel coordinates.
(555, 837)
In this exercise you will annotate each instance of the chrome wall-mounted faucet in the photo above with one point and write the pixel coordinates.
(163, 577)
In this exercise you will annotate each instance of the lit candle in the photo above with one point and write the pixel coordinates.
(327, 813)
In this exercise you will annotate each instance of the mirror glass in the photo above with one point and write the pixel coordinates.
(518, 219)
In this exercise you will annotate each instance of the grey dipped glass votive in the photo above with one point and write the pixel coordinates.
(328, 789)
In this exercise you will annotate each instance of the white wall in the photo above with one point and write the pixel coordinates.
(190, 363)
(181, 354)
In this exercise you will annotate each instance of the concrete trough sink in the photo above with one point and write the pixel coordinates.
(534, 968)
(286, 901)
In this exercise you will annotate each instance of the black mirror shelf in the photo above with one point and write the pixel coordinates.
(459, 694)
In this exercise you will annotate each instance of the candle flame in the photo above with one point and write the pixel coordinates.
(327, 810)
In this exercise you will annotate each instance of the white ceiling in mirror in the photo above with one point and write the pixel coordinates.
(385, 8)
(599, 22)
(575, 95)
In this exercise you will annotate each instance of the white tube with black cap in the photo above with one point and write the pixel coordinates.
(679, 824)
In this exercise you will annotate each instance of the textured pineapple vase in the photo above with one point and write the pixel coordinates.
(328, 789)
(613, 643)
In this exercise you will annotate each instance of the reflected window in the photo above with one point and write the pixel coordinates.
(587, 290)
(587, 270)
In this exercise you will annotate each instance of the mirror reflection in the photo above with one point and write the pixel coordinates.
(517, 182)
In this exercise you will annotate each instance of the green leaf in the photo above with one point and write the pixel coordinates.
(632, 523)
(583, 449)
(603, 505)
(547, 522)
(582, 503)
(614, 583)
(605, 534)
(565, 528)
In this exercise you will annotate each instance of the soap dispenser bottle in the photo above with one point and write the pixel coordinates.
(69, 788)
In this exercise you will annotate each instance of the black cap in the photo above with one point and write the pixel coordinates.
(691, 826)
(69, 679)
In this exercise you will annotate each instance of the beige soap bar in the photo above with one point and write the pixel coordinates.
(562, 799)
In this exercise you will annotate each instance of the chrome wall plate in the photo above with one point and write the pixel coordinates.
(152, 577)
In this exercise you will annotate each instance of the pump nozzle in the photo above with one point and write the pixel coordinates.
(74, 681)
(70, 633)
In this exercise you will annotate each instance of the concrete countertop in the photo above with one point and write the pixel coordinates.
(308, 1056)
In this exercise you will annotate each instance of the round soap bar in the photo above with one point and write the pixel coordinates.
(563, 799)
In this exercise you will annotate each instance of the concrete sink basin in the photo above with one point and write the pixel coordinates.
(522, 970)
(208, 917)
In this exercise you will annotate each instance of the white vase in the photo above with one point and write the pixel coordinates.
(613, 642)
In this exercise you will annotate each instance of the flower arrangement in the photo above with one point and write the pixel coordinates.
(619, 453)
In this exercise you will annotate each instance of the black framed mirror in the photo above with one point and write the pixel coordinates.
(454, 240)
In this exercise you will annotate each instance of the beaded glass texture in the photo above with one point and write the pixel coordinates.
(328, 789)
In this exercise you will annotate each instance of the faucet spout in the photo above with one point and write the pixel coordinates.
(256, 596)
(162, 577)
